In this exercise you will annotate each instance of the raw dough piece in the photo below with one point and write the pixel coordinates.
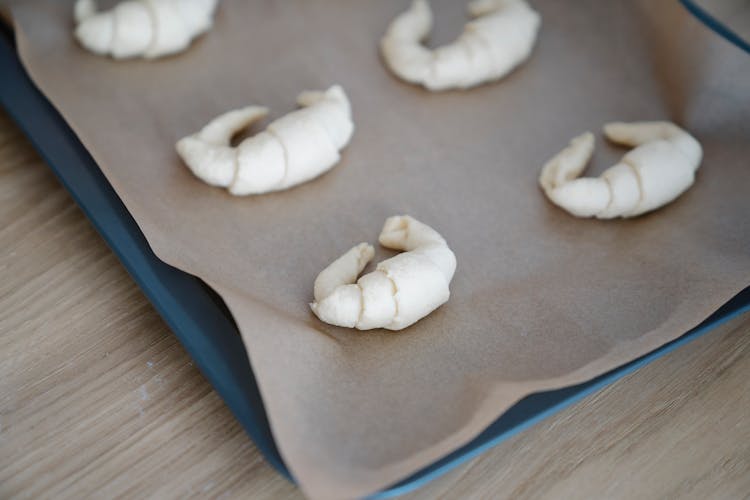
(399, 292)
(146, 28)
(499, 38)
(293, 149)
(657, 171)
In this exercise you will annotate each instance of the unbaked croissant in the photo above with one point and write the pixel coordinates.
(293, 149)
(499, 38)
(658, 170)
(399, 292)
(146, 28)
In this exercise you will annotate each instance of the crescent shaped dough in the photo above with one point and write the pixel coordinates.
(145, 28)
(499, 38)
(660, 168)
(399, 292)
(293, 149)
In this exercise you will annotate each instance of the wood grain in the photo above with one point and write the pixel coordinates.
(98, 399)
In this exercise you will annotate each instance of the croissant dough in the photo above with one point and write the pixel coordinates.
(499, 38)
(293, 149)
(660, 168)
(142, 28)
(399, 292)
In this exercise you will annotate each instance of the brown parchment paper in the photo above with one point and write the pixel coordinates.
(540, 299)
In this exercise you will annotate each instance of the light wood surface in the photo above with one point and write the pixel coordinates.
(98, 399)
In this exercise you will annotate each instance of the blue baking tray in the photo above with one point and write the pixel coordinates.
(716, 25)
(198, 316)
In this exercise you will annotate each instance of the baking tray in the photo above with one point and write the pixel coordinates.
(716, 25)
(198, 316)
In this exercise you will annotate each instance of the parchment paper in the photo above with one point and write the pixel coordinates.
(540, 299)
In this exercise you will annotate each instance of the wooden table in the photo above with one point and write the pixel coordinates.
(98, 398)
